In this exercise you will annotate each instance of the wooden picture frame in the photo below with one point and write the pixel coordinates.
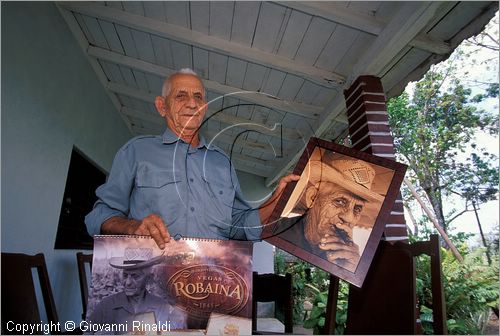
(334, 216)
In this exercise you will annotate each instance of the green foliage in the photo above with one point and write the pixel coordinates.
(317, 318)
(300, 272)
(477, 178)
(490, 92)
(311, 283)
(471, 289)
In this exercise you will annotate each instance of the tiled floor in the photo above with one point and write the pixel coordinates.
(270, 324)
(300, 330)
(274, 325)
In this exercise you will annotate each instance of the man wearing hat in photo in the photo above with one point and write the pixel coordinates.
(336, 197)
(135, 303)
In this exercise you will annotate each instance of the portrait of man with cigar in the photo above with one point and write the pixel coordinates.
(333, 198)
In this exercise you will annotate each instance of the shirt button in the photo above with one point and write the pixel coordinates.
(191, 179)
(220, 192)
(192, 208)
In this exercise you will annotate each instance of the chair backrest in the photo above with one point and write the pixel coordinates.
(432, 248)
(82, 260)
(273, 288)
(386, 304)
(19, 302)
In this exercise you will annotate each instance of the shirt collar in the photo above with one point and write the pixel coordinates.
(170, 137)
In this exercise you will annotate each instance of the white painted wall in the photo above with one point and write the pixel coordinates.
(51, 101)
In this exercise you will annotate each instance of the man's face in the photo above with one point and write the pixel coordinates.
(134, 282)
(334, 208)
(185, 105)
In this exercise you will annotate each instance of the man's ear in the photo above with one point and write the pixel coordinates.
(161, 106)
(311, 192)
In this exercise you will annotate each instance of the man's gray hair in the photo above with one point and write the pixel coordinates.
(165, 91)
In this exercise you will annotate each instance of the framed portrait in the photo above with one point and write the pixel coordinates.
(334, 216)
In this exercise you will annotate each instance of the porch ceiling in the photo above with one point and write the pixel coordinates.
(265, 63)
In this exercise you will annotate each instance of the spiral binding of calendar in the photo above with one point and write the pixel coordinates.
(149, 237)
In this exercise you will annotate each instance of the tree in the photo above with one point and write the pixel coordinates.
(433, 129)
(477, 183)
(474, 52)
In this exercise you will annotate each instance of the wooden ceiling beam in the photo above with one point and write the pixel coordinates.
(360, 21)
(245, 144)
(338, 13)
(250, 160)
(299, 109)
(146, 96)
(424, 42)
(83, 43)
(207, 42)
(244, 167)
(334, 108)
(277, 130)
(156, 119)
(407, 24)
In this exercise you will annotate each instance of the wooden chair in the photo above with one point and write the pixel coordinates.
(273, 288)
(432, 248)
(386, 304)
(82, 260)
(19, 302)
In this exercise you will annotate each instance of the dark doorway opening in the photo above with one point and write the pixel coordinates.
(79, 198)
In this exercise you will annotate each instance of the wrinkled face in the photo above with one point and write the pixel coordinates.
(185, 105)
(134, 281)
(333, 208)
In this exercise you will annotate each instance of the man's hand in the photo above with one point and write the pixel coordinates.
(151, 225)
(340, 248)
(267, 208)
(283, 183)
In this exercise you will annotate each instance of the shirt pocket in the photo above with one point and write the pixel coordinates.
(157, 191)
(148, 178)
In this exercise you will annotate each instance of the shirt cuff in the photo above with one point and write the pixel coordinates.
(99, 215)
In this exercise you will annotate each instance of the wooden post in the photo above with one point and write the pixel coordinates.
(331, 306)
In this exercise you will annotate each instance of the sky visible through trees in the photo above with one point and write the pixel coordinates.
(476, 66)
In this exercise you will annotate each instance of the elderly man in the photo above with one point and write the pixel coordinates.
(177, 184)
(336, 195)
(135, 303)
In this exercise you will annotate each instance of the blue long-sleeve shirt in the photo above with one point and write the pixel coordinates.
(194, 190)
